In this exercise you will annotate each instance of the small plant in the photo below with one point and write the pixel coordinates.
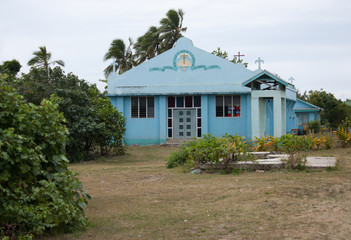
(177, 158)
(296, 160)
(330, 169)
(290, 143)
(346, 123)
(238, 146)
(314, 126)
(273, 144)
(329, 141)
(343, 136)
(236, 171)
(260, 144)
(294, 146)
(306, 143)
(318, 142)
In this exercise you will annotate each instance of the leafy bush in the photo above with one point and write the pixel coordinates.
(273, 144)
(37, 191)
(306, 143)
(329, 141)
(206, 149)
(314, 126)
(209, 149)
(318, 142)
(177, 158)
(110, 124)
(344, 137)
(260, 144)
(215, 150)
(92, 120)
(238, 146)
(290, 143)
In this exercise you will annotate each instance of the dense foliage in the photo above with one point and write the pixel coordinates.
(92, 121)
(37, 192)
(10, 67)
(209, 149)
(334, 110)
(314, 126)
(215, 150)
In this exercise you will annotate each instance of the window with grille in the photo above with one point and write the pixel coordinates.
(142, 107)
(228, 106)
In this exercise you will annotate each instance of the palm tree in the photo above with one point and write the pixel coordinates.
(148, 45)
(122, 55)
(42, 59)
(171, 28)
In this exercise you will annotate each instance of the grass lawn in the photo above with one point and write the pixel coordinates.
(136, 197)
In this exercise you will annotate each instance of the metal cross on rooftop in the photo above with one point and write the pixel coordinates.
(239, 56)
(113, 65)
(259, 61)
(291, 79)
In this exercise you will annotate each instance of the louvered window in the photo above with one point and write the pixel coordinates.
(142, 107)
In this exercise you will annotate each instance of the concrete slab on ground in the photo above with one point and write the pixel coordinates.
(275, 163)
(320, 162)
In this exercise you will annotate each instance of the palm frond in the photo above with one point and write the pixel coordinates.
(59, 62)
(108, 70)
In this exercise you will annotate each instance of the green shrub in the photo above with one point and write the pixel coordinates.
(306, 143)
(273, 144)
(177, 158)
(344, 137)
(94, 124)
(329, 142)
(260, 144)
(38, 194)
(209, 149)
(315, 126)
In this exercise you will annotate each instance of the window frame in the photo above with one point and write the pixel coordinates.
(233, 96)
(147, 106)
(195, 105)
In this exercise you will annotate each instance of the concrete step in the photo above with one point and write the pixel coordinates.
(176, 142)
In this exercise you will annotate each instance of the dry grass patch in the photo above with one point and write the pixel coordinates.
(136, 197)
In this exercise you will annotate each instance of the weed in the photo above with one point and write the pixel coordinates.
(330, 169)
(222, 197)
(236, 171)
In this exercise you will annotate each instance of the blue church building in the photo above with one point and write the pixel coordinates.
(186, 92)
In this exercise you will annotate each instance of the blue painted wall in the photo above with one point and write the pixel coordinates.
(219, 126)
(291, 118)
(269, 117)
(143, 131)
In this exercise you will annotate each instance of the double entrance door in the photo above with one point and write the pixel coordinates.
(184, 123)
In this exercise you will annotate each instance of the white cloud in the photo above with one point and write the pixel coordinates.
(309, 40)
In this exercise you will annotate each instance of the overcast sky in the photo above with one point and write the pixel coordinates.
(307, 39)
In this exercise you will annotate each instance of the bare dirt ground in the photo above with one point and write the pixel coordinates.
(136, 197)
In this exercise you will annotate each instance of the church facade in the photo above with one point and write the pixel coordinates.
(186, 92)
